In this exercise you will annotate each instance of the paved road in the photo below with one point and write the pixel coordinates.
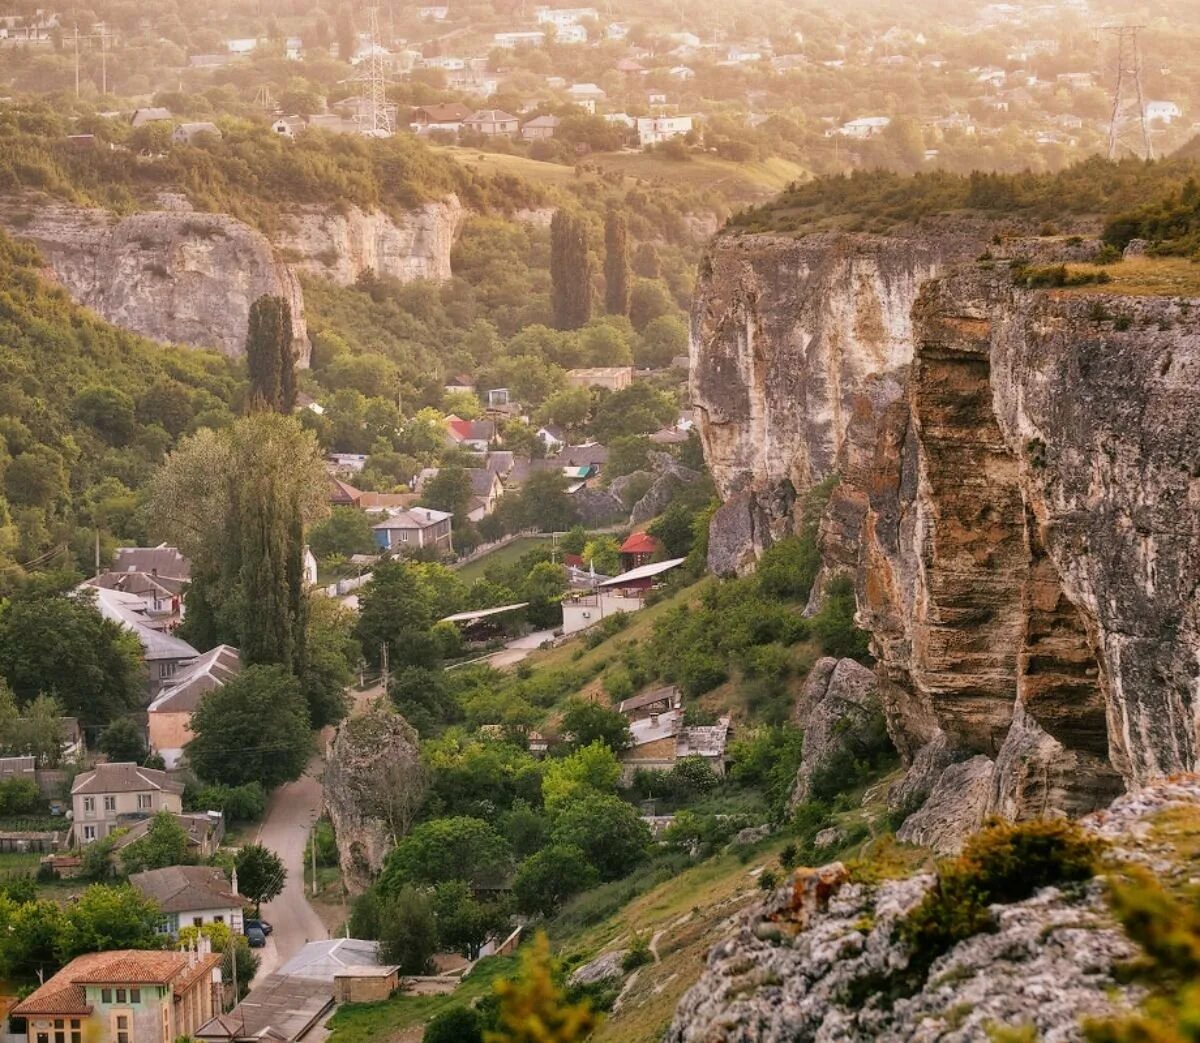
(290, 813)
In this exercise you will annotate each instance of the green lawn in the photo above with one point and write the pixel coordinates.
(378, 1022)
(509, 554)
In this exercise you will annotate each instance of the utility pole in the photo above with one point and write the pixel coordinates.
(1128, 128)
(312, 843)
(383, 666)
(375, 80)
(97, 552)
(77, 61)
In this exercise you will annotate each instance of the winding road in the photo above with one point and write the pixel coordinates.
(291, 811)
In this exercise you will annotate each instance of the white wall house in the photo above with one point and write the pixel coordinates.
(1165, 111)
(655, 129)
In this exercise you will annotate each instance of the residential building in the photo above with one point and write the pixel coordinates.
(662, 739)
(639, 549)
(191, 896)
(636, 582)
(613, 378)
(124, 996)
(163, 652)
(864, 127)
(486, 490)
(492, 123)
(655, 700)
(552, 437)
(564, 16)
(448, 116)
(585, 92)
(414, 529)
(570, 34)
(519, 39)
(192, 133)
(155, 114)
(540, 128)
(433, 14)
(1164, 111)
(289, 127)
(163, 562)
(114, 795)
(243, 45)
(653, 130)
(205, 830)
(471, 434)
(170, 714)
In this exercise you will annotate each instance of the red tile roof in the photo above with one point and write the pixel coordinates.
(65, 992)
(641, 543)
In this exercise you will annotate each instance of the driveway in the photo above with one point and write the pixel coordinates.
(291, 811)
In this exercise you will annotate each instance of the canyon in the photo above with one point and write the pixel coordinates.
(1017, 500)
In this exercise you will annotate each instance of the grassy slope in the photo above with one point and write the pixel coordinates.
(1145, 277)
(735, 181)
(509, 554)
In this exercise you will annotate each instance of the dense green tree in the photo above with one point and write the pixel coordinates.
(39, 632)
(346, 531)
(270, 357)
(422, 696)
(647, 301)
(122, 740)
(107, 409)
(396, 608)
(458, 848)
(449, 490)
(106, 917)
(165, 844)
(616, 263)
(636, 410)
(261, 873)
(464, 923)
(591, 770)
(543, 589)
(646, 261)
(608, 831)
(663, 338)
(255, 728)
(675, 530)
(327, 664)
(408, 930)
(549, 877)
(570, 270)
(587, 722)
(29, 935)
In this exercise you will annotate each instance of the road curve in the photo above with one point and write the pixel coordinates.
(291, 811)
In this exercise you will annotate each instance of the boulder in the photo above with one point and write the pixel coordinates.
(606, 967)
(954, 809)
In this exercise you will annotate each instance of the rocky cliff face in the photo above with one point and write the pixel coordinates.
(1017, 502)
(339, 245)
(176, 277)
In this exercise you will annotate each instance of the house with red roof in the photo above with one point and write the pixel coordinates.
(640, 549)
(124, 995)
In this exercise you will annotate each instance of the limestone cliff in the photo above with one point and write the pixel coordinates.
(1017, 502)
(174, 276)
(340, 244)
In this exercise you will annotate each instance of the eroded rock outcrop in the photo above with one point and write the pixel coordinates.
(174, 276)
(341, 244)
(374, 784)
(814, 961)
(1017, 501)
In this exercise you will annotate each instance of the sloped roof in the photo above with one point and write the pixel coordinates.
(669, 695)
(325, 960)
(417, 518)
(65, 994)
(492, 116)
(482, 480)
(191, 684)
(342, 492)
(198, 825)
(643, 572)
(126, 609)
(164, 560)
(641, 543)
(183, 889)
(444, 112)
(124, 777)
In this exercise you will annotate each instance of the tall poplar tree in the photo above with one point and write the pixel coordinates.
(570, 271)
(269, 355)
(616, 263)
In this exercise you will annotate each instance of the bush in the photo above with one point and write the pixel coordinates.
(454, 1025)
(639, 954)
(1005, 862)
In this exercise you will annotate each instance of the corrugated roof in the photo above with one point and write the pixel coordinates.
(325, 960)
(669, 695)
(126, 609)
(166, 561)
(640, 543)
(655, 568)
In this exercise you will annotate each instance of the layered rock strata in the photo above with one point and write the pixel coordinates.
(1016, 502)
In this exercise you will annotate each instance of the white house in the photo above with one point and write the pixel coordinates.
(864, 127)
(433, 14)
(681, 72)
(564, 16)
(655, 129)
(519, 39)
(580, 92)
(191, 896)
(241, 46)
(570, 34)
(1164, 111)
(189, 133)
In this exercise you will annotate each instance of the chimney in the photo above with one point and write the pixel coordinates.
(233, 882)
(654, 718)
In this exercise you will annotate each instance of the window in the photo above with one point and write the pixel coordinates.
(89, 833)
(122, 1033)
(76, 1031)
(43, 1037)
(135, 995)
(106, 995)
(197, 921)
(120, 995)
(166, 670)
(60, 1031)
(89, 805)
(110, 803)
(145, 801)
(219, 918)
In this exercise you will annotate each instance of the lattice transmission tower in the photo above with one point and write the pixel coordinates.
(374, 77)
(1128, 129)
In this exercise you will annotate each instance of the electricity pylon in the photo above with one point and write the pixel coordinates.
(1128, 129)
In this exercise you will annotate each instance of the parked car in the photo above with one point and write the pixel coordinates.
(262, 925)
(256, 937)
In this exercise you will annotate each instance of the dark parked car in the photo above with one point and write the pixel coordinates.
(262, 925)
(256, 938)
